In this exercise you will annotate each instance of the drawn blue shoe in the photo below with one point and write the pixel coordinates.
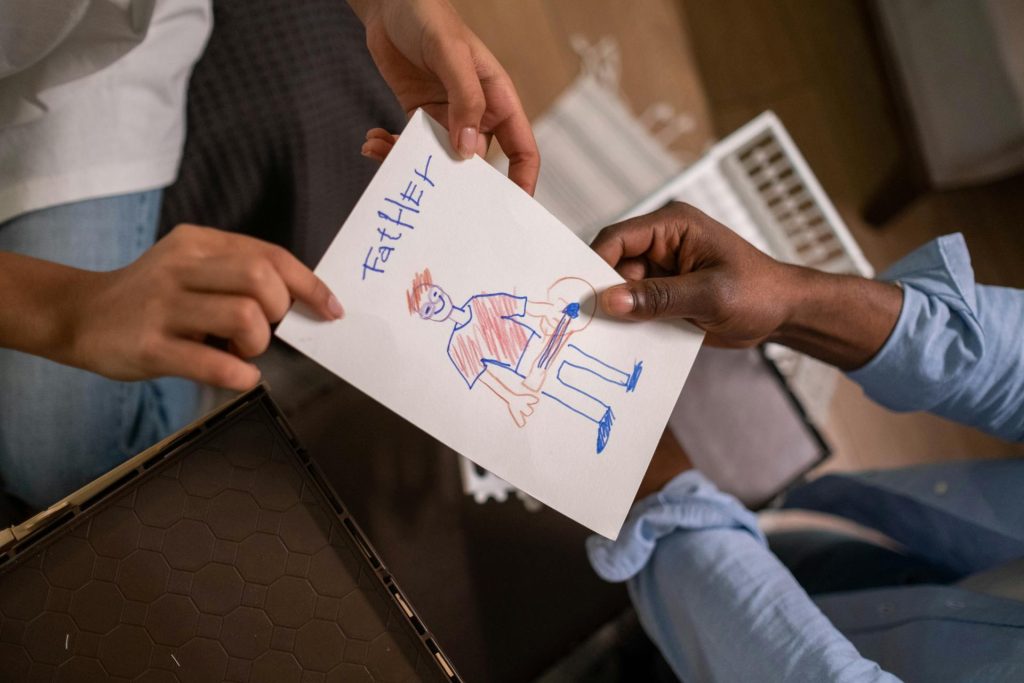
(604, 429)
(638, 367)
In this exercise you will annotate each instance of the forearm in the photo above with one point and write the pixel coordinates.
(37, 301)
(842, 320)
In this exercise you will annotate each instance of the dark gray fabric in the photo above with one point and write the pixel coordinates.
(828, 562)
(278, 108)
(741, 428)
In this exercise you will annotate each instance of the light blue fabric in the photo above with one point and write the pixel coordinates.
(714, 599)
(958, 347)
(61, 427)
(721, 607)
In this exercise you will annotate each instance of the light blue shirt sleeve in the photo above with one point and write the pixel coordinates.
(712, 596)
(958, 347)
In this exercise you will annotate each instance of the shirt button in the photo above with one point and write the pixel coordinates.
(941, 488)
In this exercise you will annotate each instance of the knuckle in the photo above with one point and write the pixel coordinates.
(185, 241)
(474, 101)
(443, 43)
(258, 274)
(248, 316)
(189, 233)
(681, 216)
(182, 231)
(686, 215)
(276, 255)
(658, 298)
(319, 289)
(220, 373)
(605, 234)
(150, 348)
(262, 340)
(723, 296)
(432, 43)
(279, 307)
(276, 251)
(683, 210)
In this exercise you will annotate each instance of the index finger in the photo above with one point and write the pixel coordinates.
(629, 239)
(658, 236)
(303, 285)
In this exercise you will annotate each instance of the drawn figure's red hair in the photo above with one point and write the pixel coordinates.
(420, 283)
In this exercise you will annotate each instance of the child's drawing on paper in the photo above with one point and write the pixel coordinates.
(523, 349)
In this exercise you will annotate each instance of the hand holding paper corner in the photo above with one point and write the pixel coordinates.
(472, 312)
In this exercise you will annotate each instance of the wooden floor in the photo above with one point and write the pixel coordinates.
(815, 63)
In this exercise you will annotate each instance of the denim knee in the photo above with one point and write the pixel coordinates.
(60, 427)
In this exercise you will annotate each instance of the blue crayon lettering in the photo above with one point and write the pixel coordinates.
(426, 170)
(368, 267)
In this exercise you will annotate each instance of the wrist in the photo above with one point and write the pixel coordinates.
(842, 320)
(68, 337)
(802, 289)
(37, 305)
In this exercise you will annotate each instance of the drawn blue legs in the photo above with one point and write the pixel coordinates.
(581, 382)
(581, 379)
(576, 357)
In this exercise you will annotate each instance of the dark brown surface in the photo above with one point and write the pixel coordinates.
(227, 558)
(507, 593)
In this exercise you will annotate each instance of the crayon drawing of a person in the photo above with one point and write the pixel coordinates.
(521, 349)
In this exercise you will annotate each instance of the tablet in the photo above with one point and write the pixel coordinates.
(220, 554)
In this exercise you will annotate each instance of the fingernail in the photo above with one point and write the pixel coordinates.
(334, 306)
(467, 142)
(618, 300)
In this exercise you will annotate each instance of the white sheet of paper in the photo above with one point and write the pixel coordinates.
(508, 326)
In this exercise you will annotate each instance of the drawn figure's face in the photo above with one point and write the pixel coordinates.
(436, 304)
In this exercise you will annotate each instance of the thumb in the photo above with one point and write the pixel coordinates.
(680, 296)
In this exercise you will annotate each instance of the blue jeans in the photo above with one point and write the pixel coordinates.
(61, 427)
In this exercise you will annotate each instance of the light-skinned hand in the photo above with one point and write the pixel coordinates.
(431, 60)
(154, 317)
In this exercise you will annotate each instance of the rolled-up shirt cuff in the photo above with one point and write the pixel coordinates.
(690, 502)
(938, 313)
